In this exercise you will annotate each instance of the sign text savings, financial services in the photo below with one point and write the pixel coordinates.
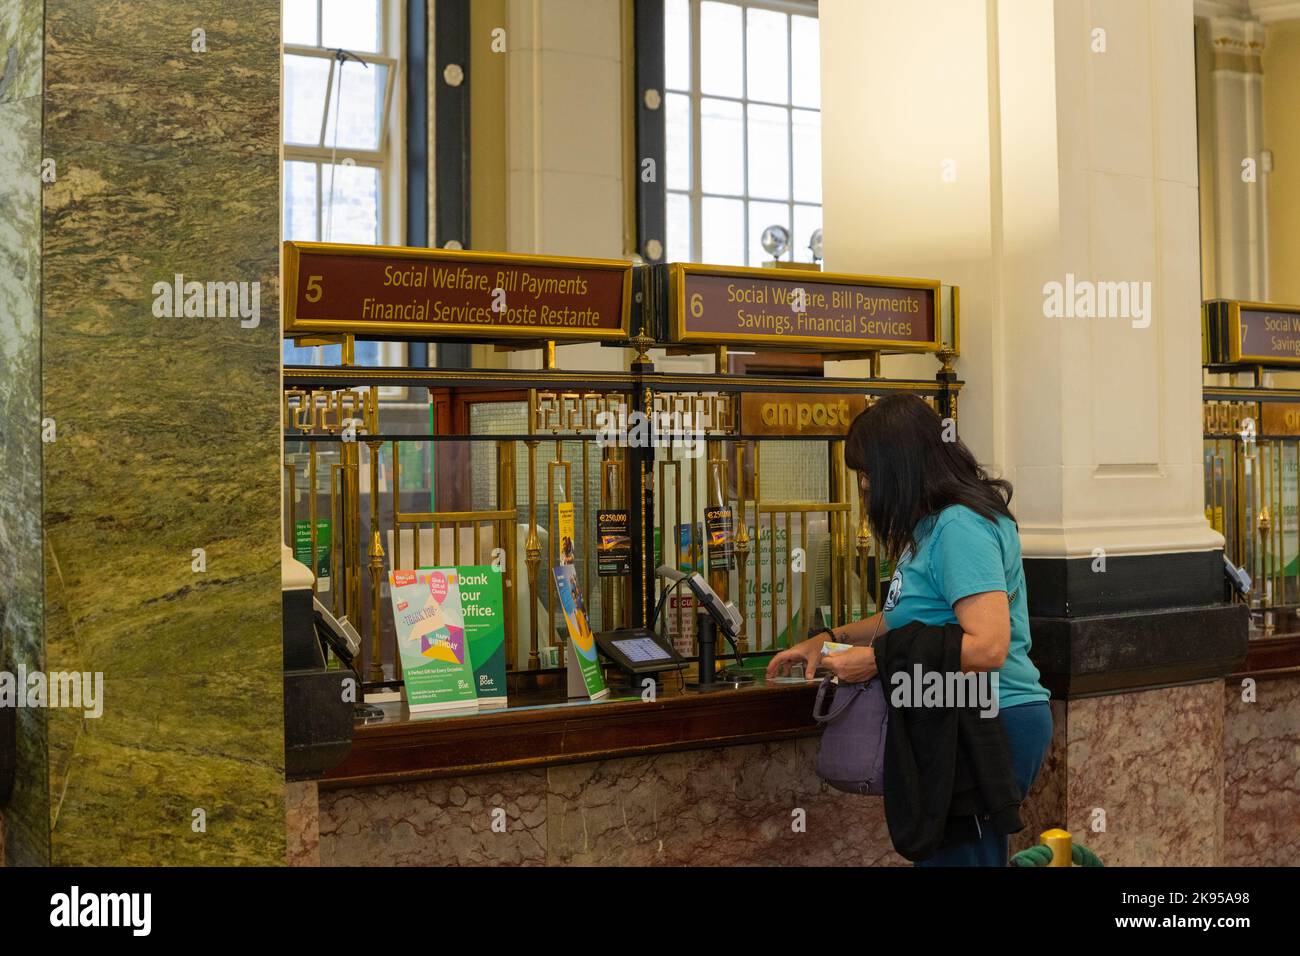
(775, 308)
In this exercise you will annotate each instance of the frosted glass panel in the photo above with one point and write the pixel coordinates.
(722, 62)
(769, 152)
(722, 146)
(767, 64)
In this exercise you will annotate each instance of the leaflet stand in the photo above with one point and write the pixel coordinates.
(577, 686)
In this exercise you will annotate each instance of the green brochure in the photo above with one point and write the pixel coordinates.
(485, 631)
(302, 549)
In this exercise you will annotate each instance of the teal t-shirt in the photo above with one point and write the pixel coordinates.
(959, 553)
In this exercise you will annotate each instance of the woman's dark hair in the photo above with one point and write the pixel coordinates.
(913, 472)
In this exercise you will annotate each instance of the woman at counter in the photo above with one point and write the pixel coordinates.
(956, 548)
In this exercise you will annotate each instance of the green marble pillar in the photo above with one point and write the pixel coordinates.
(167, 163)
(25, 820)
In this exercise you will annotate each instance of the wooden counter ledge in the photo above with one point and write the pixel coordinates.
(409, 748)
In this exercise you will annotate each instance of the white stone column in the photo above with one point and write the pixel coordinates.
(1237, 177)
(1004, 145)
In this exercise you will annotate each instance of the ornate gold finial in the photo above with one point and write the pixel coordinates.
(946, 355)
(643, 344)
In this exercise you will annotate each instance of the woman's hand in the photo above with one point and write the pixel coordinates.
(854, 666)
(807, 652)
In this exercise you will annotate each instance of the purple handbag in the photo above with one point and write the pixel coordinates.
(852, 754)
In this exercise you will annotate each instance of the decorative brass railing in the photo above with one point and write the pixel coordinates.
(557, 455)
(1252, 496)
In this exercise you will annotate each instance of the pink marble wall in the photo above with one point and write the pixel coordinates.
(754, 805)
(727, 806)
(1152, 762)
(302, 824)
(447, 822)
(1261, 814)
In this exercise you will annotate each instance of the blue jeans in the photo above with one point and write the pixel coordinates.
(1029, 733)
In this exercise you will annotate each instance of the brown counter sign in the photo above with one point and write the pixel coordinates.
(770, 308)
(792, 413)
(399, 291)
(1279, 419)
(1265, 333)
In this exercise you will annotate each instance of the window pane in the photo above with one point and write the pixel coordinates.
(299, 23)
(359, 100)
(722, 148)
(679, 228)
(720, 49)
(769, 152)
(367, 353)
(807, 219)
(300, 201)
(806, 68)
(762, 215)
(355, 204)
(305, 80)
(298, 355)
(350, 24)
(768, 63)
(722, 231)
(677, 44)
(807, 156)
(677, 118)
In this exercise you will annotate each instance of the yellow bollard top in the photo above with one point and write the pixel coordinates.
(1060, 843)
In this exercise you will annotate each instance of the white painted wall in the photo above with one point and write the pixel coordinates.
(565, 121)
(1068, 161)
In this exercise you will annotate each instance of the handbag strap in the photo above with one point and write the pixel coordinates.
(840, 703)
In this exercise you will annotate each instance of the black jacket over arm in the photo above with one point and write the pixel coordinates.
(944, 766)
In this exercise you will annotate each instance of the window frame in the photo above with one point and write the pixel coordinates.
(389, 158)
(695, 95)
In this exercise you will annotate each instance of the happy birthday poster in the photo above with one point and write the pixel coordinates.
(430, 624)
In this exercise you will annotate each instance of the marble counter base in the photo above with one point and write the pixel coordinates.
(302, 824)
(1261, 793)
(1165, 777)
(754, 805)
(486, 820)
(1139, 776)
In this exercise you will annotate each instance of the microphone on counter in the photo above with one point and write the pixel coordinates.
(723, 612)
(668, 574)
